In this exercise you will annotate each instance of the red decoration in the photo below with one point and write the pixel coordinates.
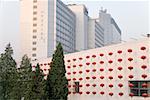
(69, 86)
(102, 92)
(110, 61)
(130, 67)
(74, 65)
(41, 64)
(93, 56)
(119, 51)
(94, 92)
(143, 66)
(87, 85)
(74, 59)
(68, 73)
(87, 78)
(101, 77)
(49, 63)
(119, 60)
(74, 85)
(80, 65)
(144, 85)
(94, 77)
(101, 69)
(94, 63)
(101, 54)
(80, 79)
(45, 69)
(80, 58)
(33, 66)
(87, 92)
(87, 63)
(129, 50)
(119, 68)
(87, 56)
(87, 70)
(110, 85)
(74, 79)
(143, 48)
(94, 70)
(145, 95)
(101, 62)
(94, 85)
(69, 79)
(111, 94)
(121, 94)
(68, 60)
(130, 76)
(120, 76)
(131, 94)
(110, 69)
(131, 85)
(80, 92)
(74, 72)
(45, 64)
(102, 85)
(69, 92)
(80, 72)
(120, 85)
(110, 77)
(80, 85)
(110, 53)
(68, 67)
(143, 57)
(144, 76)
(130, 59)
(45, 74)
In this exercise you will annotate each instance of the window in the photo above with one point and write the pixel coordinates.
(34, 37)
(33, 49)
(34, 24)
(33, 55)
(140, 87)
(34, 18)
(34, 6)
(34, 30)
(76, 87)
(34, 43)
(34, 13)
(34, 1)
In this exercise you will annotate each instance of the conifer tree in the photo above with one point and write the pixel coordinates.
(56, 81)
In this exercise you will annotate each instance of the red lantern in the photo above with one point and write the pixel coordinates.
(74, 92)
(102, 85)
(68, 67)
(87, 63)
(69, 86)
(45, 64)
(101, 62)
(87, 78)
(121, 94)
(33, 66)
(120, 76)
(101, 54)
(80, 58)
(131, 85)
(102, 92)
(110, 85)
(74, 85)
(94, 92)
(144, 85)
(87, 92)
(87, 85)
(74, 65)
(87, 70)
(111, 94)
(68, 73)
(69, 79)
(131, 94)
(94, 85)
(143, 66)
(94, 77)
(80, 85)
(110, 69)
(80, 72)
(110, 61)
(69, 92)
(101, 69)
(45, 69)
(130, 76)
(87, 56)
(49, 63)
(119, 68)
(74, 79)
(80, 92)
(143, 48)
(80, 79)
(94, 63)
(130, 59)
(130, 67)
(129, 50)
(119, 60)
(110, 53)
(74, 59)
(74, 72)
(145, 95)
(94, 70)
(120, 85)
(80, 65)
(68, 60)
(110, 77)
(143, 57)
(144, 76)
(119, 51)
(93, 56)
(101, 77)
(41, 64)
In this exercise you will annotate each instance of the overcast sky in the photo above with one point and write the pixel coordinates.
(131, 16)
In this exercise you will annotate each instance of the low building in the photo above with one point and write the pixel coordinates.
(116, 72)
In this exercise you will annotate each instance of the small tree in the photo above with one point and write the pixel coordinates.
(56, 81)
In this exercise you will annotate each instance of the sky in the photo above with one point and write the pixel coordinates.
(132, 16)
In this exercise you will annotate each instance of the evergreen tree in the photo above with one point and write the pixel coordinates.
(56, 81)
(8, 75)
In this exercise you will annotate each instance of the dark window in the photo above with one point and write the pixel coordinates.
(140, 87)
(76, 87)
(34, 55)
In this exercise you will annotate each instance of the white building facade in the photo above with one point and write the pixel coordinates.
(95, 34)
(117, 72)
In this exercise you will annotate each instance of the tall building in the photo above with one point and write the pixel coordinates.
(44, 23)
(95, 34)
(112, 32)
(82, 17)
